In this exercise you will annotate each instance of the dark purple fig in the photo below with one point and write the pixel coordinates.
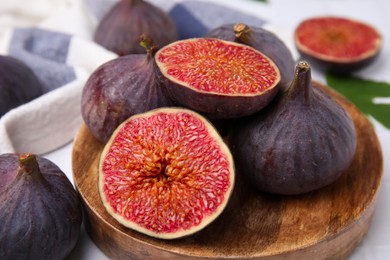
(119, 89)
(303, 141)
(40, 211)
(18, 84)
(120, 28)
(264, 41)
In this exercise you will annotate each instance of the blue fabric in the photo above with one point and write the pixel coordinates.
(45, 52)
(194, 18)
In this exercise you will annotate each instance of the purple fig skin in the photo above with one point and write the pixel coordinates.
(120, 28)
(18, 84)
(214, 106)
(339, 68)
(119, 89)
(262, 40)
(302, 142)
(40, 211)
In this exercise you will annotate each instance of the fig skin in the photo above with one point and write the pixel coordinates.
(302, 142)
(339, 68)
(333, 63)
(40, 211)
(216, 107)
(120, 28)
(119, 89)
(262, 40)
(18, 84)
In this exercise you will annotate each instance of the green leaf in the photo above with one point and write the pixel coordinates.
(362, 93)
(264, 1)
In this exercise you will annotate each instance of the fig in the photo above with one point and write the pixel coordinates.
(18, 84)
(301, 142)
(337, 44)
(120, 28)
(262, 40)
(217, 78)
(166, 173)
(40, 212)
(119, 89)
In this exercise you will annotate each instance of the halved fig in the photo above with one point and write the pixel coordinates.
(166, 173)
(218, 78)
(262, 40)
(337, 44)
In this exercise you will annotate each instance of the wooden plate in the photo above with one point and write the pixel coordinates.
(325, 224)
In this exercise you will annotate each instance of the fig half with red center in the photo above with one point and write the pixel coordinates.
(218, 78)
(336, 44)
(262, 40)
(166, 173)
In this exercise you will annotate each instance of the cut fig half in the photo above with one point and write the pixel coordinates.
(337, 44)
(218, 78)
(262, 40)
(166, 173)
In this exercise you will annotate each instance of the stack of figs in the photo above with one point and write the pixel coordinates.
(161, 109)
(285, 135)
(297, 141)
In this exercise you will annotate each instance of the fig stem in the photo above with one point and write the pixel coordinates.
(302, 82)
(28, 165)
(150, 46)
(242, 31)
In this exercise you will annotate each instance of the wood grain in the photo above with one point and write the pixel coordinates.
(324, 224)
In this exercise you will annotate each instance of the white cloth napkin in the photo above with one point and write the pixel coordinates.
(55, 39)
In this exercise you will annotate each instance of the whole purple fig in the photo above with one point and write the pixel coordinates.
(119, 89)
(303, 141)
(120, 28)
(18, 84)
(40, 212)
